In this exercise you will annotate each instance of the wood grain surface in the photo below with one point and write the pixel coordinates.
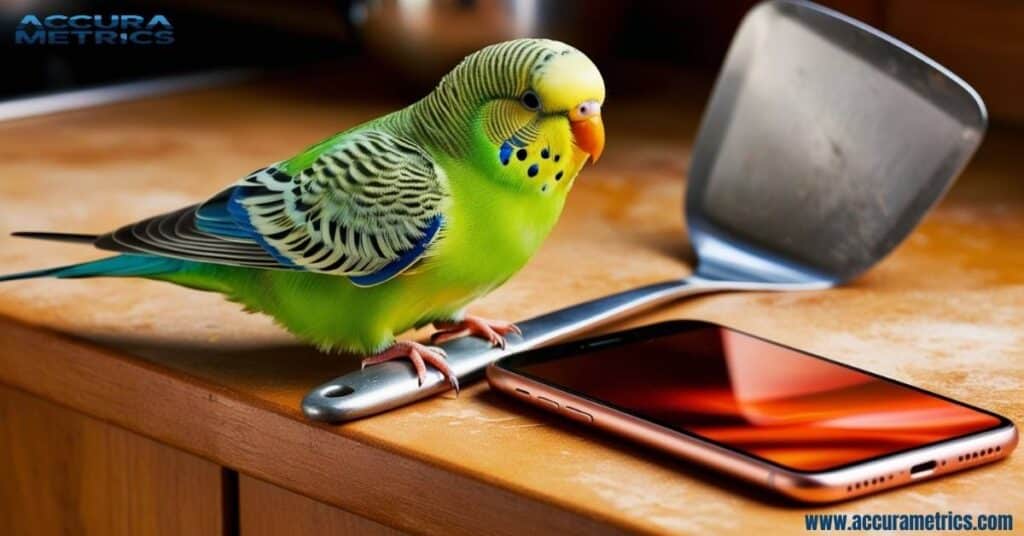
(943, 312)
(267, 510)
(65, 473)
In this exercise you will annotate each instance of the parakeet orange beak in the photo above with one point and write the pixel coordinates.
(587, 128)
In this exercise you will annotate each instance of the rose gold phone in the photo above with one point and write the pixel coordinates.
(803, 425)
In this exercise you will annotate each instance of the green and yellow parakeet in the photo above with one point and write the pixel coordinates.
(393, 224)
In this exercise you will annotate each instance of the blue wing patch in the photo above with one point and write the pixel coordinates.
(241, 217)
(406, 260)
(213, 217)
(224, 215)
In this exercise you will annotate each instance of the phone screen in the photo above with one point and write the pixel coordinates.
(794, 409)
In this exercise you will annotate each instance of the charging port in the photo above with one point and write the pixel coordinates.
(922, 469)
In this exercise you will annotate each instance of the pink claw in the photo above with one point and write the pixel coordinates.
(420, 355)
(493, 331)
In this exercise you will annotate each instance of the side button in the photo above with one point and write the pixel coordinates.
(579, 415)
(548, 402)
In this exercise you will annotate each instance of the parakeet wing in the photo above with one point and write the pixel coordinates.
(367, 205)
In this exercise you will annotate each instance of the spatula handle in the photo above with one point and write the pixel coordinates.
(388, 385)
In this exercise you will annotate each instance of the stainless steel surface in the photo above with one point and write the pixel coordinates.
(824, 144)
(392, 384)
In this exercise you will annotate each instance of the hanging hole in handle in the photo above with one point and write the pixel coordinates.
(338, 391)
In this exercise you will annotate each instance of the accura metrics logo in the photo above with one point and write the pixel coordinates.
(58, 30)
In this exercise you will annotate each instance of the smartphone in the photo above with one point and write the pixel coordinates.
(813, 429)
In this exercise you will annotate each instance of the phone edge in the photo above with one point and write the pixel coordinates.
(865, 478)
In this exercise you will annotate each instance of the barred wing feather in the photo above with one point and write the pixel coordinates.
(368, 207)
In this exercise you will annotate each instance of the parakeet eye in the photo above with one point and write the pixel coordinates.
(530, 100)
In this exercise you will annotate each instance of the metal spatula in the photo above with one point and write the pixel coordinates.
(824, 144)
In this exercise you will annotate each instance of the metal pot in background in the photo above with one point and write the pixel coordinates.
(424, 39)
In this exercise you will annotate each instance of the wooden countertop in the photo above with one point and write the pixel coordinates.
(944, 312)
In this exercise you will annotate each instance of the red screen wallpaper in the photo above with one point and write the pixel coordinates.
(785, 406)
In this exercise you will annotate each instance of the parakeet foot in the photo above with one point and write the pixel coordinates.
(420, 355)
(491, 330)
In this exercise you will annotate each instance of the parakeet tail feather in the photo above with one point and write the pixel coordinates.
(119, 266)
(59, 237)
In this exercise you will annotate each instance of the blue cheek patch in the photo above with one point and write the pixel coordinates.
(505, 153)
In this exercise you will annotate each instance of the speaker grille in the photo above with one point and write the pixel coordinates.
(963, 458)
(980, 453)
(870, 483)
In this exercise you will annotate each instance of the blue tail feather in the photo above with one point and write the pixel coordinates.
(119, 266)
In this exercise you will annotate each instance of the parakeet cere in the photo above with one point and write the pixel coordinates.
(393, 224)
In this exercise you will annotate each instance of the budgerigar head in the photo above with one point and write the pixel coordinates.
(537, 104)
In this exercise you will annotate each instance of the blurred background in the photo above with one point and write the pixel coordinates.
(415, 41)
